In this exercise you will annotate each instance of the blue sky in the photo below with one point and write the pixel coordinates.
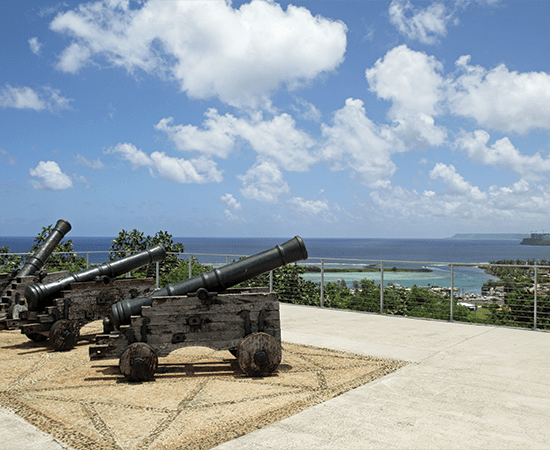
(325, 118)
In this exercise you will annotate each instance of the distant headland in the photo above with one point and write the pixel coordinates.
(537, 239)
(491, 236)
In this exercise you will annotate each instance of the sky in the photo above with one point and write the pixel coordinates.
(324, 118)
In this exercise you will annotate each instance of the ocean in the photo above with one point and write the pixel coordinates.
(348, 253)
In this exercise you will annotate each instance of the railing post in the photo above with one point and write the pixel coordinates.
(190, 266)
(271, 281)
(381, 287)
(535, 299)
(128, 274)
(322, 282)
(87, 259)
(452, 290)
(157, 264)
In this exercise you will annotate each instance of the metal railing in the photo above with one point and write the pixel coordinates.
(432, 290)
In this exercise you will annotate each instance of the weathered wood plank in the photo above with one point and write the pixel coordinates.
(219, 322)
(226, 308)
(214, 316)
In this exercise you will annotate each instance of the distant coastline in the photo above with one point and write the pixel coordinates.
(490, 236)
(537, 239)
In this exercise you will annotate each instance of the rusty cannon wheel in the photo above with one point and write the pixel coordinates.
(259, 354)
(64, 334)
(139, 362)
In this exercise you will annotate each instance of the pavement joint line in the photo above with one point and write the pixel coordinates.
(455, 344)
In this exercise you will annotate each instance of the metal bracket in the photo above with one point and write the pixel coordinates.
(247, 326)
(194, 321)
(144, 323)
(130, 335)
(66, 304)
(203, 294)
(178, 337)
(261, 320)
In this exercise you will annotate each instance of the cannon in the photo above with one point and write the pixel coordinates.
(37, 294)
(202, 311)
(36, 261)
(58, 310)
(13, 285)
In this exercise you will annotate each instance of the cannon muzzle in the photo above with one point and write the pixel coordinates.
(36, 261)
(217, 280)
(36, 294)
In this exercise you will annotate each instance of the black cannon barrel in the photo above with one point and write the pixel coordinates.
(217, 280)
(37, 293)
(36, 261)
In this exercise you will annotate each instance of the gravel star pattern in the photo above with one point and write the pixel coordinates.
(199, 398)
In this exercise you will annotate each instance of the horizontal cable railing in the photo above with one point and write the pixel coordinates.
(486, 293)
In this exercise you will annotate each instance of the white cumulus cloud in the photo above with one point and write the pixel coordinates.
(465, 204)
(179, 170)
(35, 46)
(215, 139)
(456, 182)
(21, 98)
(136, 157)
(503, 154)
(210, 48)
(412, 81)
(277, 139)
(52, 178)
(501, 99)
(93, 164)
(425, 25)
(355, 143)
(315, 208)
(28, 98)
(264, 182)
(197, 170)
(231, 202)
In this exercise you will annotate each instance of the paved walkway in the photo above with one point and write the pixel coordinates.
(467, 387)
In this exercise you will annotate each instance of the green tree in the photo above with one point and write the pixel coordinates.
(8, 261)
(181, 271)
(289, 285)
(367, 297)
(171, 270)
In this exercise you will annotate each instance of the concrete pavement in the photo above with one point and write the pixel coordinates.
(466, 386)
(16, 434)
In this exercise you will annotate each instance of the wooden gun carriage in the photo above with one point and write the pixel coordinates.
(13, 285)
(57, 310)
(202, 311)
(13, 295)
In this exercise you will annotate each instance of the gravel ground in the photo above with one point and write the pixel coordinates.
(199, 398)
